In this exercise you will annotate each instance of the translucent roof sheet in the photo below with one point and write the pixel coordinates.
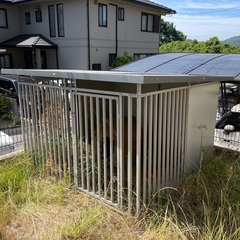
(204, 64)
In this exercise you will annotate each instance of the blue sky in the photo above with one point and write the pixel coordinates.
(202, 20)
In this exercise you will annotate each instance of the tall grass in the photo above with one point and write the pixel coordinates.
(34, 205)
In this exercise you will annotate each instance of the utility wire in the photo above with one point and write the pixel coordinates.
(201, 19)
(216, 11)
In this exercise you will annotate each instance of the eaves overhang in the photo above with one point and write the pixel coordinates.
(120, 77)
(15, 1)
(28, 41)
(147, 3)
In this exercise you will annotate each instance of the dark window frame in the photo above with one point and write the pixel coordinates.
(112, 57)
(60, 20)
(102, 11)
(38, 15)
(51, 19)
(27, 18)
(121, 14)
(9, 56)
(155, 27)
(6, 20)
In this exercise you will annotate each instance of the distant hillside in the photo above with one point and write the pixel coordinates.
(233, 40)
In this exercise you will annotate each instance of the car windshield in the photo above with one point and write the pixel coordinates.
(230, 118)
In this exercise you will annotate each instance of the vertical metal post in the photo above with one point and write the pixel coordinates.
(138, 156)
(74, 139)
(130, 155)
(155, 127)
(120, 151)
(92, 144)
(150, 123)
(144, 178)
(160, 133)
(21, 99)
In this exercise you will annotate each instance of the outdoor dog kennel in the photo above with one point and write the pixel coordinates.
(121, 136)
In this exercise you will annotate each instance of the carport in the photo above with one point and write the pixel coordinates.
(121, 136)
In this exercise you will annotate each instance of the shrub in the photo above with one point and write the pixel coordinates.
(119, 61)
(4, 104)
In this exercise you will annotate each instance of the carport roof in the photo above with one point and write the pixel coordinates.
(29, 41)
(201, 64)
(114, 76)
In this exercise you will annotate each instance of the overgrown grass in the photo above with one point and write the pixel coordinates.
(205, 206)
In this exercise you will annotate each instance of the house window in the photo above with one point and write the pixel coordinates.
(3, 18)
(121, 14)
(96, 66)
(150, 23)
(102, 15)
(137, 56)
(5, 61)
(112, 57)
(52, 24)
(38, 15)
(60, 20)
(27, 18)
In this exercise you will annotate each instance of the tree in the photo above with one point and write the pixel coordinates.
(169, 33)
(213, 45)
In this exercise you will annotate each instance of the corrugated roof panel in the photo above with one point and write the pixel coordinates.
(201, 64)
(146, 64)
(225, 65)
(184, 64)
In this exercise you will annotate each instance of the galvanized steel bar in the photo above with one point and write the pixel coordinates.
(80, 138)
(86, 140)
(104, 123)
(92, 144)
(145, 157)
(138, 156)
(150, 130)
(130, 152)
(160, 139)
(164, 142)
(22, 112)
(173, 122)
(121, 154)
(111, 148)
(98, 146)
(74, 139)
(155, 135)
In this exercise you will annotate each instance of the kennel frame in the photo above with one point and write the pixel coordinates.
(192, 151)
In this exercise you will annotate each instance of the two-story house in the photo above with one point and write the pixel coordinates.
(77, 34)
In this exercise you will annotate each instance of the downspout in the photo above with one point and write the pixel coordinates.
(116, 26)
(57, 58)
(88, 36)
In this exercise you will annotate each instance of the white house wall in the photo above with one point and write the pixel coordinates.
(13, 23)
(130, 37)
(73, 52)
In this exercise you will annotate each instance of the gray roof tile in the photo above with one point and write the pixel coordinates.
(30, 41)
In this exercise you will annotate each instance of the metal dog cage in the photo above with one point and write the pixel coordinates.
(120, 136)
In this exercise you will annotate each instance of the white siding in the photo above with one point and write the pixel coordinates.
(13, 23)
(73, 48)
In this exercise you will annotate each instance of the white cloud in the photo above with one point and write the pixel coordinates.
(223, 24)
(203, 30)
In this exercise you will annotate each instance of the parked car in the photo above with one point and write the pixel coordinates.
(6, 143)
(227, 130)
(9, 85)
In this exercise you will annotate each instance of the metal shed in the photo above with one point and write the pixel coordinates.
(121, 135)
